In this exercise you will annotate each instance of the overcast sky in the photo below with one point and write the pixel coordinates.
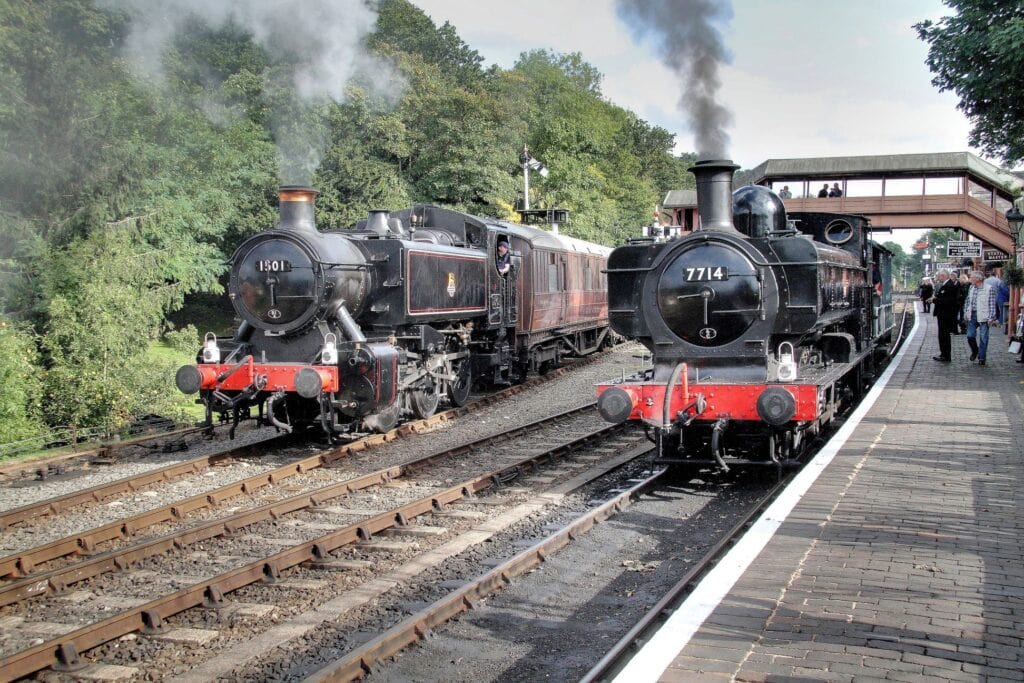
(806, 78)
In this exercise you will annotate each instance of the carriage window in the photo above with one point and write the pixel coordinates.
(588, 278)
(552, 274)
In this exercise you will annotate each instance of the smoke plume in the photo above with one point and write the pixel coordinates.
(316, 45)
(692, 47)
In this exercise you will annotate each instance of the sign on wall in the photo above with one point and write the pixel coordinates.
(963, 249)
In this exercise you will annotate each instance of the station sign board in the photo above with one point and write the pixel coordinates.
(995, 255)
(963, 249)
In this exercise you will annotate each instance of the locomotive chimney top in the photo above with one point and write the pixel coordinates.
(714, 193)
(296, 208)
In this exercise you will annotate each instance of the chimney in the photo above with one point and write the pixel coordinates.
(296, 208)
(714, 193)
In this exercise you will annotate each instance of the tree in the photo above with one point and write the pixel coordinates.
(979, 54)
(403, 27)
(20, 415)
(903, 266)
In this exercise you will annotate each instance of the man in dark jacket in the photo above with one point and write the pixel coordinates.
(946, 302)
(926, 291)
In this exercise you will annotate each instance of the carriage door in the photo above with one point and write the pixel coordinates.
(510, 290)
(503, 308)
(563, 285)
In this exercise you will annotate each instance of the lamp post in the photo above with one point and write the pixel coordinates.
(1015, 220)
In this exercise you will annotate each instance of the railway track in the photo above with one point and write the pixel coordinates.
(363, 660)
(648, 624)
(374, 657)
(427, 483)
(435, 502)
(193, 466)
(106, 452)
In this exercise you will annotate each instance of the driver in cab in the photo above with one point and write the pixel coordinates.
(503, 260)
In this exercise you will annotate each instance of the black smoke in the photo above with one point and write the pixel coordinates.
(691, 45)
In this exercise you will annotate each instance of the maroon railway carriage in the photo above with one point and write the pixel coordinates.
(352, 330)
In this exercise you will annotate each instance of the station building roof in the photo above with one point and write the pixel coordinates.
(680, 199)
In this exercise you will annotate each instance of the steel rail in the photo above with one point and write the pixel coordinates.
(104, 448)
(903, 328)
(58, 504)
(61, 653)
(663, 608)
(37, 584)
(361, 661)
(95, 494)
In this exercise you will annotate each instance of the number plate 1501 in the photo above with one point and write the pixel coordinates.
(707, 274)
(273, 266)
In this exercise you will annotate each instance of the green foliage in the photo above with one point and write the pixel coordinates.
(907, 270)
(1014, 274)
(978, 53)
(19, 376)
(185, 341)
(402, 27)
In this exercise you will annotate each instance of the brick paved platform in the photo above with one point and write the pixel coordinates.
(905, 559)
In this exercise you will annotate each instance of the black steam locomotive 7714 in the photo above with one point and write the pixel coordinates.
(761, 325)
(351, 330)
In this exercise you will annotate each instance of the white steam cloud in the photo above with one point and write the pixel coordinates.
(321, 41)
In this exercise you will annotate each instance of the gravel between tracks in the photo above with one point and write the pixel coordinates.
(562, 393)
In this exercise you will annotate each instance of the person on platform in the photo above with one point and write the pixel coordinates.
(980, 314)
(503, 261)
(1000, 291)
(823, 192)
(963, 284)
(945, 300)
(835, 191)
(925, 292)
(785, 193)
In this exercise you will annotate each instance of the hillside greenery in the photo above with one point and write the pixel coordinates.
(123, 194)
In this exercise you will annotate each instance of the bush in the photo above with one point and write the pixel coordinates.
(1014, 274)
(20, 414)
(185, 340)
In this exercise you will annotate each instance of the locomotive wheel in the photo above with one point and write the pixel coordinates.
(383, 421)
(458, 389)
(424, 401)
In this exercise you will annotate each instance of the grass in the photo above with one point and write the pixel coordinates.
(162, 353)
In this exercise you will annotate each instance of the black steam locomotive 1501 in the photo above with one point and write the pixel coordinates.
(351, 330)
(761, 326)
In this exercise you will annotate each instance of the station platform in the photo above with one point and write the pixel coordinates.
(899, 554)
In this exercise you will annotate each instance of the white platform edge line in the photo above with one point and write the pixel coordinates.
(655, 656)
